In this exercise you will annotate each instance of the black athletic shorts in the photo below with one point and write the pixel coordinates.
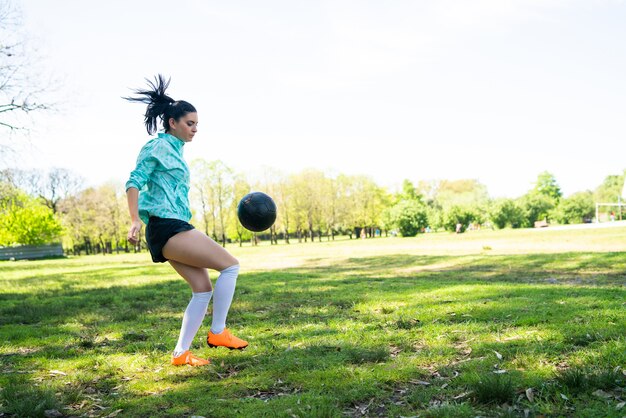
(159, 230)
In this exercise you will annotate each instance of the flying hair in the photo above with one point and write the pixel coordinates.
(160, 105)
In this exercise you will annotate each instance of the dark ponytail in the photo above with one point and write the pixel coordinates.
(160, 105)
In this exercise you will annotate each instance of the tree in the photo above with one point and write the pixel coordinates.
(536, 206)
(409, 191)
(24, 220)
(222, 185)
(344, 204)
(296, 206)
(234, 228)
(95, 219)
(577, 208)
(307, 188)
(330, 206)
(200, 191)
(506, 212)
(428, 190)
(610, 190)
(546, 185)
(271, 182)
(368, 201)
(213, 187)
(57, 184)
(282, 203)
(539, 202)
(49, 186)
(409, 216)
(456, 214)
(21, 91)
(464, 192)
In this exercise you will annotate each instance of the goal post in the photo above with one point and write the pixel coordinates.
(618, 205)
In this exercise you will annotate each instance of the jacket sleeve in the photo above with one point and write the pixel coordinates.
(147, 162)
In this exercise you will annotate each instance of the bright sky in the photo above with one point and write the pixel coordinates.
(496, 90)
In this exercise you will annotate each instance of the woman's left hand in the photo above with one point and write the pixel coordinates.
(133, 232)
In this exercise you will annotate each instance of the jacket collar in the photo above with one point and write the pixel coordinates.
(177, 143)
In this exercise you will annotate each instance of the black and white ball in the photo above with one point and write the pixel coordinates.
(256, 211)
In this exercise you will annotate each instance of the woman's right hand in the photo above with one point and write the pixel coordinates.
(133, 232)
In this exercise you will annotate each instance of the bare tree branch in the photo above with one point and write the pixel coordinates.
(21, 91)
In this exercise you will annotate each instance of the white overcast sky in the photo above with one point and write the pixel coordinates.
(495, 90)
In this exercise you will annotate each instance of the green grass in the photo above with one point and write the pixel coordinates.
(482, 324)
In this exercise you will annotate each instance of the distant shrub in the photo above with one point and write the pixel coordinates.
(460, 215)
(409, 217)
(575, 209)
(506, 212)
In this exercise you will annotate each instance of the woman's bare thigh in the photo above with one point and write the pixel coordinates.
(194, 248)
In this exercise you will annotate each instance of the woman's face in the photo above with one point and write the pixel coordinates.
(185, 127)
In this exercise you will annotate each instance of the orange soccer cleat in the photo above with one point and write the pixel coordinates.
(190, 359)
(225, 339)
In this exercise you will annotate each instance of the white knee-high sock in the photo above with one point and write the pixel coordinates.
(224, 291)
(194, 314)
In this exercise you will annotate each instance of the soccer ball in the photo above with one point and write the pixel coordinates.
(256, 211)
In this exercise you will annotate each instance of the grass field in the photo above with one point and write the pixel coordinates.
(504, 323)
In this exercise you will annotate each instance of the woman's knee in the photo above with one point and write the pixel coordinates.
(232, 267)
(231, 261)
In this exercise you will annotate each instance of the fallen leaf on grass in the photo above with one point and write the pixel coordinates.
(462, 395)
(419, 382)
(114, 413)
(57, 373)
(363, 409)
(467, 351)
(529, 394)
(454, 363)
(512, 338)
(79, 406)
(564, 397)
(602, 394)
(498, 355)
(394, 351)
(620, 405)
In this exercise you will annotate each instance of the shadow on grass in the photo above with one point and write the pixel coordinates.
(325, 338)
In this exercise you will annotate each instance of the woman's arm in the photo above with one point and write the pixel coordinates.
(132, 195)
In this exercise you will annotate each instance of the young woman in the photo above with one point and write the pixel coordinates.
(157, 193)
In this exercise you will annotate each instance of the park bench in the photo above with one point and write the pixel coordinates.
(29, 252)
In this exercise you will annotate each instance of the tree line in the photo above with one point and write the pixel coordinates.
(42, 206)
